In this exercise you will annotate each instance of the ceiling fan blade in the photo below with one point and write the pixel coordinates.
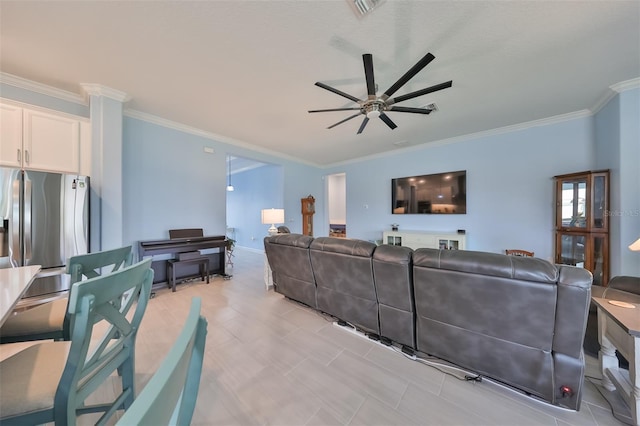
(342, 121)
(334, 109)
(368, 74)
(384, 117)
(409, 74)
(337, 92)
(420, 92)
(407, 109)
(364, 123)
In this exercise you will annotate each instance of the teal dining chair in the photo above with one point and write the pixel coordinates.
(51, 381)
(169, 398)
(50, 320)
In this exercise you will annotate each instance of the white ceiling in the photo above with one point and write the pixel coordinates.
(245, 70)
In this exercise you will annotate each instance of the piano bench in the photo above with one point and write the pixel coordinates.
(172, 265)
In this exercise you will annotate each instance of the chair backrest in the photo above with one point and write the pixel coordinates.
(118, 299)
(170, 396)
(516, 252)
(90, 265)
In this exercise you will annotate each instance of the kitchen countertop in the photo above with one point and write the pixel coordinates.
(14, 282)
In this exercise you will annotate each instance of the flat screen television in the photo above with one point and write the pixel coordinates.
(440, 193)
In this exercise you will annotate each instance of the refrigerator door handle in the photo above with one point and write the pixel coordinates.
(27, 220)
(14, 235)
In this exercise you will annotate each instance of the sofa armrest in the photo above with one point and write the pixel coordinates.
(625, 283)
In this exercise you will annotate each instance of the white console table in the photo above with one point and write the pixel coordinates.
(619, 330)
(268, 275)
(424, 239)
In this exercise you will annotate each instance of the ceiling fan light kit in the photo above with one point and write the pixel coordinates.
(375, 106)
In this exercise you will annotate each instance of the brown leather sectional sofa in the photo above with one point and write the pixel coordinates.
(520, 321)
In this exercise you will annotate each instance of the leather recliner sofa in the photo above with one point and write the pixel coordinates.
(520, 321)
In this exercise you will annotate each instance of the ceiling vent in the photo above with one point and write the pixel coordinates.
(363, 7)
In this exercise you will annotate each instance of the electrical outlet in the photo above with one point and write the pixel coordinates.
(208, 150)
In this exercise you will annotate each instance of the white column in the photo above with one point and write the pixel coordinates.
(106, 108)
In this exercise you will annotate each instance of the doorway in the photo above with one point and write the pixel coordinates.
(337, 204)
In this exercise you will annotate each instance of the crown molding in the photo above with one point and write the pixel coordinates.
(623, 86)
(94, 89)
(43, 89)
(613, 91)
(139, 115)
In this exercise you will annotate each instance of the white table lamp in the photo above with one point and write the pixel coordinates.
(272, 216)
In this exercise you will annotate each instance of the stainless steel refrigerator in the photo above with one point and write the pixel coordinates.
(45, 220)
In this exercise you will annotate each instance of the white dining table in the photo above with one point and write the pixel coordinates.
(14, 282)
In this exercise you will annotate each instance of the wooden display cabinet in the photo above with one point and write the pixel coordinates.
(582, 222)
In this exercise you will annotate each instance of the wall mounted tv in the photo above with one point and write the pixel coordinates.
(440, 193)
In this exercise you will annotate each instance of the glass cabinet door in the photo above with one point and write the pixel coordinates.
(571, 249)
(599, 261)
(572, 199)
(599, 203)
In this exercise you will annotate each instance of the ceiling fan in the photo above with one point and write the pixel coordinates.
(376, 106)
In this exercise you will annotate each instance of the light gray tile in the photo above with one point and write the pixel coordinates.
(577, 418)
(306, 318)
(314, 345)
(374, 412)
(591, 394)
(276, 353)
(220, 406)
(345, 339)
(479, 399)
(340, 399)
(274, 399)
(324, 418)
(603, 416)
(426, 408)
(397, 363)
(362, 374)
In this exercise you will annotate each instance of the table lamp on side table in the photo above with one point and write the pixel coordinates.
(272, 216)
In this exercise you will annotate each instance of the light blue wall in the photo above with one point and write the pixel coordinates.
(630, 180)
(170, 182)
(509, 186)
(618, 149)
(255, 190)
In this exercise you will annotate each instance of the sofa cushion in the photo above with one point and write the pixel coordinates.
(492, 264)
(393, 277)
(288, 256)
(343, 269)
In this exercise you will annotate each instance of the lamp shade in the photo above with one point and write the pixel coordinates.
(272, 216)
(635, 246)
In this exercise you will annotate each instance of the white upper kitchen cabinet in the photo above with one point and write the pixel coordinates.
(10, 136)
(45, 140)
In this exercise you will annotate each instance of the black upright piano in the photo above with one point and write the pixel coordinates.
(184, 241)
